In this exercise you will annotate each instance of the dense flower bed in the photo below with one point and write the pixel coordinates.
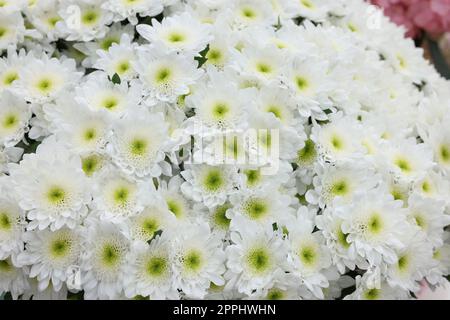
(226, 149)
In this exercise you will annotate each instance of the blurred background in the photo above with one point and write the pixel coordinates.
(428, 23)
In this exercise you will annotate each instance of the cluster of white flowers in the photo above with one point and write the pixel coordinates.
(111, 116)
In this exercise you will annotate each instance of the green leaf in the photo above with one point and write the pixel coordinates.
(116, 79)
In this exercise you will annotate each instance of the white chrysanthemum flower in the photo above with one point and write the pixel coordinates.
(263, 206)
(82, 129)
(44, 17)
(309, 254)
(52, 186)
(439, 139)
(256, 257)
(316, 10)
(210, 185)
(219, 104)
(174, 200)
(275, 101)
(343, 181)
(336, 240)
(118, 59)
(104, 257)
(14, 117)
(248, 13)
(84, 20)
(137, 144)
(10, 67)
(263, 65)
(364, 291)
(12, 29)
(117, 197)
(12, 223)
(116, 33)
(50, 255)
(100, 94)
(373, 225)
(149, 272)
(153, 219)
(413, 263)
(428, 215)
(337, 140)
(165, 76)
(128, 9)
(12, 279)
(199, 259)
(408, 160)
(43, 79)
(179, 33)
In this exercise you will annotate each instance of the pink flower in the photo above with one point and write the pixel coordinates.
(432, 16)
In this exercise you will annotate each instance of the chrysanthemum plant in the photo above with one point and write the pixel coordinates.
(217, 149)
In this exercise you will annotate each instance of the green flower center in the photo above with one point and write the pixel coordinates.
(420, 221)
(337, 142)
(193, 261)
(3, 32)
(56, 195)
(52, 21)
(308, 255)
(213, 180)
(149, 226)
(90, 17)
(426, 187)
(253, 177)
(342, 238)
(121, 195)
(308, 153)
(60, 247)
(403, 164)
(45, 85)
(110, 255)
(302, 83)
(256, 208)
(248, 13)
(108, 42)
(110, 103)
(263, 67)
(259, 260)
(91, 164)
(5, 221)
(275, 294)
(275, 111)
(9, 78)
(123, 67)
(307, 3)
(352, 27)
(220, 111)
(398, 194)
(176, 37)
(372, 294)
(163, 75)
(138, 147)
(214, 55)
(174, 207)
(5, 266)
(340, 188)
(220, 218)
(90, 134)
(157, 266)
(403, 263)
(444, 153)
(10, 121)
(375, 224)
